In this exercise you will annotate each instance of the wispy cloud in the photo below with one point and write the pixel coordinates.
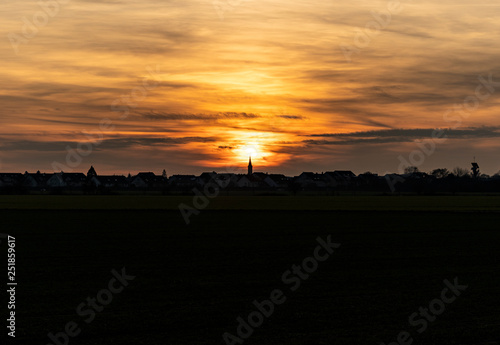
(270, 76)
(113, 143)
(204, 117)
(402, 135)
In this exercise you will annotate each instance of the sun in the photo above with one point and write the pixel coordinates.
(251, 150)
(246, 150)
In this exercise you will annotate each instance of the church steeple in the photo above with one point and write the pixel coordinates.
(91, 172)
(250, 167)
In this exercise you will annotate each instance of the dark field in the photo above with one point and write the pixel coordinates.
(192, 282)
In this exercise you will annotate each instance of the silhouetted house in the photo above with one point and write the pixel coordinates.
(333, 180)
(340, 178)
(226, 180)
(56, 181)
(278, 181)
(148, 180)
(255, 180)
(372, 182)
(204, 178)
(368, 176)
(182, 182)
(74, 180)
(369, 180)
(260, 175)
(393, 182)
(36, 181)
(305, 177)
(10, 179)
(345, 174)
(394, 178)
(309, 180)
(245, 182)
(67, 180)
(110, 182)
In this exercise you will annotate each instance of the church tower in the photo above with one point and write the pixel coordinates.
(475, 168)
(250, 167)
(91, 173)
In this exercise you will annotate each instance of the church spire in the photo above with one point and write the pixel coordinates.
(250, 167)
(91, 172)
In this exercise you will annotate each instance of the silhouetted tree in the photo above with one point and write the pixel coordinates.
(411, 170)
(460, 172)
(440, 173)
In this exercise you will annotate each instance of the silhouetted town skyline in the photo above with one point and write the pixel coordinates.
(411, 180)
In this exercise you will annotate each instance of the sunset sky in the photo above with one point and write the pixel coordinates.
(194, 85)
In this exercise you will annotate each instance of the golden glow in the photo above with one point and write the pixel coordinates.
(251, 151)
(266, 81)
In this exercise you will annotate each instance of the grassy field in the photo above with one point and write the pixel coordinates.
(192, 282)
(343, 203)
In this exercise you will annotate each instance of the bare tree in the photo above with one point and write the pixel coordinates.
(460, 172)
